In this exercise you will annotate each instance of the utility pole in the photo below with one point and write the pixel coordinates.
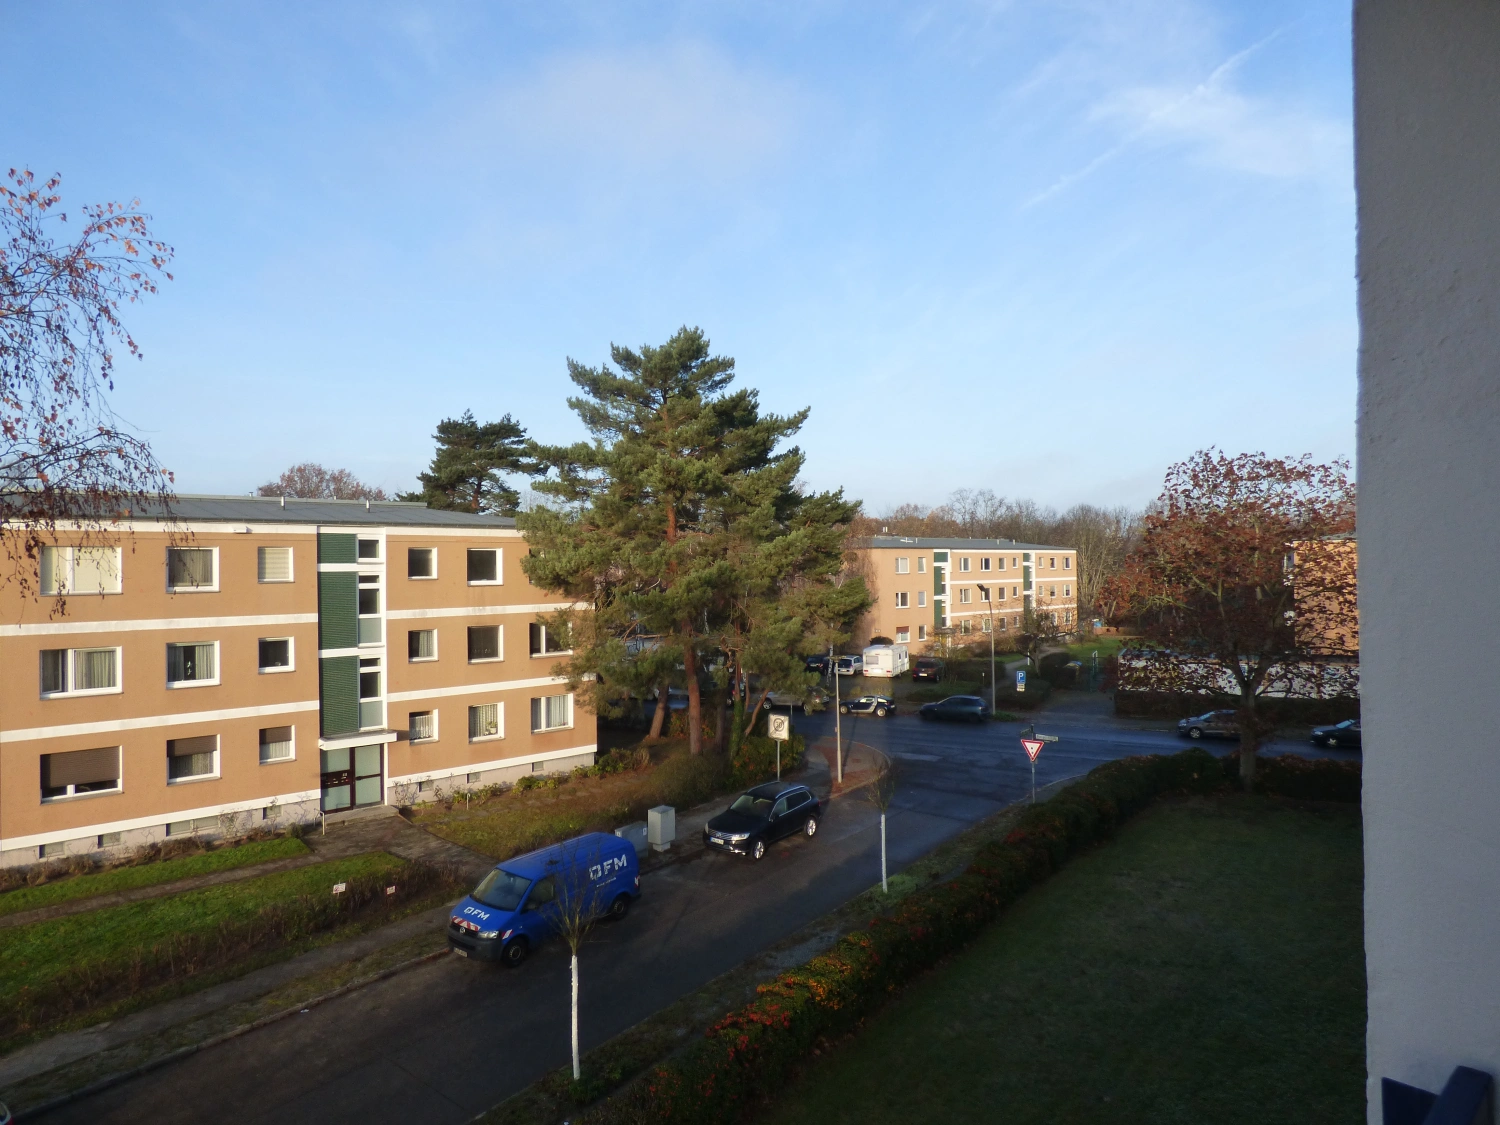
(838, 736)
(984, 592)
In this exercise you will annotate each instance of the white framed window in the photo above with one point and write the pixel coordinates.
(273, 564)
(421, 562)
(921, 632)
(984, 624)
(192, 759)
(1067, 591)
(984, 593)
(195, 664)
(1067, 562)
(921, 564)
(903, 635)
(421, 644)
(902, 599)
(1052, 563)
(1000, 625)
(367, 550)
(921, 599)
(80, 570)
(192, 569)
(965, 626)
(79, 671)
(370, 622)
(903, 565)
(275, 654)
(999, 593)
(1067, 617)
(371, 697)
(277, 744)
(984, 563)
(965, 595)
(484, 644)
(1015, 591)
(1052, 591)
(75, 773)
(483, 566)
(484, 722)
(1001, 563)
(551, 712)
(545, 641)
(963, 563)
(422, 726)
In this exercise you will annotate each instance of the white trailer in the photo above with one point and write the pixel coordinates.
(888, 661)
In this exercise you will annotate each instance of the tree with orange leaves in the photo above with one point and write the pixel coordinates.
(1240, 584)
(64, 457)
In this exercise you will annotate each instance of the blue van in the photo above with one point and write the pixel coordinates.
(517, 906)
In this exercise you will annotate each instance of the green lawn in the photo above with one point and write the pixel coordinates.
(34, 954)
(1104, 646)
(148, 874)
(1206, 966)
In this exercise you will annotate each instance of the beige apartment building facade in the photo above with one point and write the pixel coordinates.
(267, 660)
(919, 586)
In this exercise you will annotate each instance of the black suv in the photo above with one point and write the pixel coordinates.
(959, 708)
(927, 668)
(763, 814)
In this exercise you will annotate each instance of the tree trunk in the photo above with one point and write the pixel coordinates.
(721, 723)
(755, 714)
(659, 719)
(695, 698)
(1248, 747)
(575, 1017)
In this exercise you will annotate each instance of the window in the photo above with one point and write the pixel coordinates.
(189, 827)
(1000, 625)
(921, 632)
(1067, 591)
(1001, 564)
(1016, 620)
(1052, 563)
(109, 839)
(189, 759)
(1052, 591)
(984, 563)
(546, 640)
(965, 626)
(51, 851)
(368, 550)
(963, 564)
(80, 570)
(275, 654)
(484, 643)
(370, 625)
(1067, 617)
(421, 726)
(484, 567)
(1067, 562)
(903, 635)
(371, 707)
(921, 564)
(551, 712)
(984, 593)
(921, 598)
(903, 565)
(902, 600)
(192, 664)
(421, 644)
(1014, 592)
(275, 745)
(421, 562)
(965, 595)
(484, 721)
(192, 568)
(984, 624)
(77, 671)
(273, 564)
(76, 772)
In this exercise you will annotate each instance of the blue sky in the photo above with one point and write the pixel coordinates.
(1043, 248)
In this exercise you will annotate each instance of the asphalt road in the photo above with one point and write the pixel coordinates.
(447, 1041)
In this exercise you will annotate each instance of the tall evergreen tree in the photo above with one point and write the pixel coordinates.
(680, 504)
(465, 475)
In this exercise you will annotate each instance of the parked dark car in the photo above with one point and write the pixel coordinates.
(1344, 734)
(957, 708)
(927, 668)
(763, 814)
(816, 696)
(878, 705)
(1210, 724)
(818, 664)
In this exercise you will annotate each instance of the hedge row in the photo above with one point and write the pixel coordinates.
(1177, 705)
(747, 1057)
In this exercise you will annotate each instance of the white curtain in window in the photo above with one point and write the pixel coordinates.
(96, 570)
(94, 669)
(420, 725)
(188, 663)
(551, 711)
(190, 566)
(484, 721)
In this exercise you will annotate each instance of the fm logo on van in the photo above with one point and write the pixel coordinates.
(608, 867)
(475, 910)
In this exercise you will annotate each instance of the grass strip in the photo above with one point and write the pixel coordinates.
(1206, 966)
(149, 874)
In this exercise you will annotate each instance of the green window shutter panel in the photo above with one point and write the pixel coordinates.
(340, 695)
(336, 549)
(338, 610)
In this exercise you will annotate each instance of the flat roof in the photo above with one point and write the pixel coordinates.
(275, 509)
(882, 542)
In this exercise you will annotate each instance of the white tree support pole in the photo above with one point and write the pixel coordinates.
(884, 889)
(575, 1018)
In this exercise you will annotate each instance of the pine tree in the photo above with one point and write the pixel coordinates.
(465, 474)
(675, 517)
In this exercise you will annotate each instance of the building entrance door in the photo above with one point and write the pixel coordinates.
(352, 777)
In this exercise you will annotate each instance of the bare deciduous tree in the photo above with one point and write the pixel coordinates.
(65, 459)
(880, 793)
(311, 481)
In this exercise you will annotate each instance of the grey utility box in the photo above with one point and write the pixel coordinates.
(636, 834)
(661, 826)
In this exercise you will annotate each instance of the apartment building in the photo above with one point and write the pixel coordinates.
(969, 586)
(261, 659)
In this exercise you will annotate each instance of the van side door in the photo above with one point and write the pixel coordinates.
(539, 913)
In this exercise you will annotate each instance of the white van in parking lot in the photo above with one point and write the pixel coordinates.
(888, 661)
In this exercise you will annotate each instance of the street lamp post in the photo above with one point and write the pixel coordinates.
(984, 592)
(838, 735)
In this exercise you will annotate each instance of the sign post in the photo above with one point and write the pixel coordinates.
(781, 729)
(1032, 743)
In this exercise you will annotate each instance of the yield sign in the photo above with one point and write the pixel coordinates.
(1033, 747)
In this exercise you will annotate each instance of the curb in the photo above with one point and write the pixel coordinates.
(102, 1084)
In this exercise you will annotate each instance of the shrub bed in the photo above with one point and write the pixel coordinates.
(747, 1057)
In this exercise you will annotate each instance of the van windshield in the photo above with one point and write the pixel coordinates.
(501, 889)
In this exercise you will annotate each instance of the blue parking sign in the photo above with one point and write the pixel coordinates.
(1020, 680)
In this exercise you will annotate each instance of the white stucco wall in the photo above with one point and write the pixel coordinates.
(1427, 150)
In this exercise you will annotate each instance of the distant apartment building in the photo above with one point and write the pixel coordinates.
(919, 586)
(266, 660)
